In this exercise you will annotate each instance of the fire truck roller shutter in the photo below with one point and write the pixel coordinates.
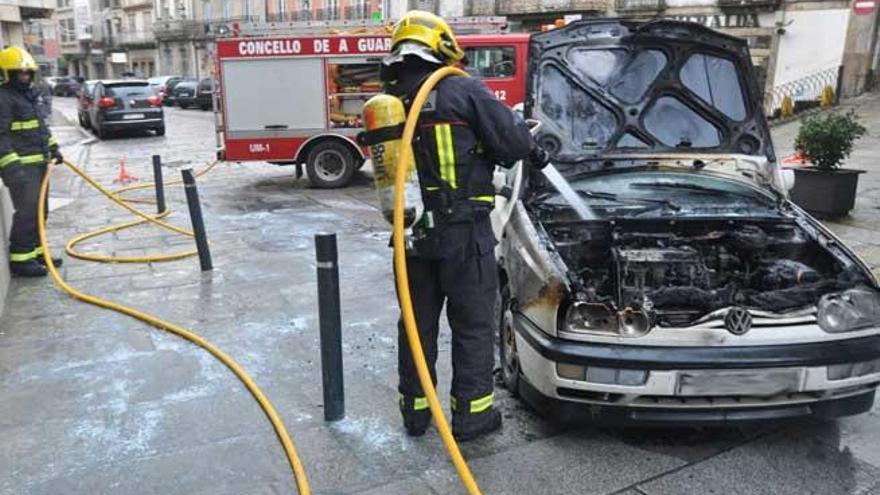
(294, 97)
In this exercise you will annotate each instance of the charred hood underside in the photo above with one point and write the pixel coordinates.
(607, 88)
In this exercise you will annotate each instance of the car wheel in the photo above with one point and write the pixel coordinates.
(82, 120)
(183, 105)
(509, 358)
(160, 131)
(330, 164)
(100, 132)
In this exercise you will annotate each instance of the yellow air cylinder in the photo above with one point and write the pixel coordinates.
(384, 116)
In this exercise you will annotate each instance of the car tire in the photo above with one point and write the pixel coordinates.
(160, 131)
(100, 132)
(82, 121)
(330, 164)
(183, 105)
(508, 357)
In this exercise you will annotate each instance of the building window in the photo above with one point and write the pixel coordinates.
(63, 4)
(132, 23)
(68, 30)
(147, 21)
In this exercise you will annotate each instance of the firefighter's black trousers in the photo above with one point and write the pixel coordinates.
(462, 274)
(23, 182)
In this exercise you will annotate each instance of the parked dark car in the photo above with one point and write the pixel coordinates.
(185, 93)
(66, 86)
(86, 100)
(205, 96)
(163, 85)
(168, 98)
(126, 105)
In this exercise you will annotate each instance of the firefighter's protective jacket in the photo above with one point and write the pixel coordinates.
(463, 132)
(24, 137)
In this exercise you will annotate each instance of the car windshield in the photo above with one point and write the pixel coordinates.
(130, 90)
(662, 193)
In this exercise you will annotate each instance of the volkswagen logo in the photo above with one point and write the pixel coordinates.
(738, 321)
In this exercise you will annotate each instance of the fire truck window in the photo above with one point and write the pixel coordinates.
(491, 61)
(349, 87)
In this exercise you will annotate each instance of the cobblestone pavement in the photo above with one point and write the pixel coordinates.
(92, 402)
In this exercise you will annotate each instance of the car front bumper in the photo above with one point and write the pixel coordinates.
(735, 384)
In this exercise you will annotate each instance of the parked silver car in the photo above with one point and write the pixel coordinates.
(693, 291)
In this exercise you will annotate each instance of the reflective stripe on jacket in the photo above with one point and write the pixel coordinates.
(24, 136)
(463, 132)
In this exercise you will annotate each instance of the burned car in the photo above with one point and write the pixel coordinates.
(682, 286)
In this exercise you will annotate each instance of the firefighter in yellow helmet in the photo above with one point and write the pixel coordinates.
(463, 132)
(26, 146)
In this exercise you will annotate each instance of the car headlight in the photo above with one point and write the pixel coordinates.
(849, 310)
(587, 317)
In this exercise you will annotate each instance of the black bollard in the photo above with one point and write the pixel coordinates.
(330, 324)
(195, 215)
(158, 184)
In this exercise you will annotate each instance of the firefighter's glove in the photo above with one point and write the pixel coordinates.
(57, 156)
(539, 157)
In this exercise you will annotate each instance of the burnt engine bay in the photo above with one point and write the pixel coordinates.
(678, 271)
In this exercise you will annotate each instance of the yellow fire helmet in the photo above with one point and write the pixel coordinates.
(15, 58)
(429, 30)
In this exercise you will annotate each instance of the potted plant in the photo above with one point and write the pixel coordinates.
(824, 188)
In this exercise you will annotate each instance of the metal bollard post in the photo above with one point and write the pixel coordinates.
(159, 185)
(195, 215)
(330, 323)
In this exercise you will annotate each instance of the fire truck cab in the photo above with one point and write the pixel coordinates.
(297, 100)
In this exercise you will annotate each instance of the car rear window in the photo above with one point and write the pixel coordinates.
(130, 90)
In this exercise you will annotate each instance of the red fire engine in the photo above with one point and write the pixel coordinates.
(288, 98)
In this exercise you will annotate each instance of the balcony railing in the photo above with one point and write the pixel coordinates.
(361, 11)
(550, 7)
(744, 4)
(128, 4)
(328, 14)
(627, 6)
(291, 16)
(130, 38)
(178, 29)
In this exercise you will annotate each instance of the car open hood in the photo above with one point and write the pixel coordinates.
(607, 89)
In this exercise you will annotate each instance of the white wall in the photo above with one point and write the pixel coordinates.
(5, 225)
(813, 42)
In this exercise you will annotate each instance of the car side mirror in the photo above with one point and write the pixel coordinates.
(788, 179)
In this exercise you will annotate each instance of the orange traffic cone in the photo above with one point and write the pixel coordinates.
(124, 177)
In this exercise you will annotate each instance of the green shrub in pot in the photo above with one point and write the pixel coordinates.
(827, 140)
(825, 189)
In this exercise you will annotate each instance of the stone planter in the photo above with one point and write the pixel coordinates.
(825, 194)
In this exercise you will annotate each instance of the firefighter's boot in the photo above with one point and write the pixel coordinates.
(55, 261)
(416, 415)
(474, 421)
(30, 268)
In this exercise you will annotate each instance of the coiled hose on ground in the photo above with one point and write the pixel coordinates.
(299, 473)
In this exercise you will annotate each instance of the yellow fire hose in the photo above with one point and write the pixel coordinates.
(115, 196)
(404, 158)
(299, 473)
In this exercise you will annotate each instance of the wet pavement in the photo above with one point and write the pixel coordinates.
(95, 402)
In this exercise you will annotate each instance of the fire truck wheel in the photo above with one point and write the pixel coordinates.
(330, 164)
